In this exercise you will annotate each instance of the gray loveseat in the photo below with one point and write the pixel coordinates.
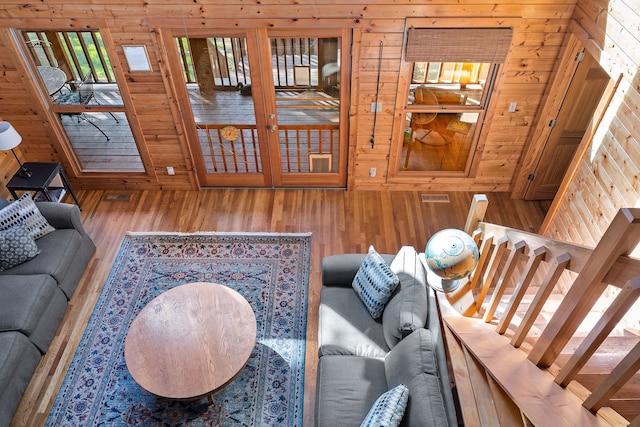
(361, 358)
(33, 299)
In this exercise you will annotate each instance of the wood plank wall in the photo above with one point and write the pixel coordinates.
(608, 178)
(8, 166)
(539, 32)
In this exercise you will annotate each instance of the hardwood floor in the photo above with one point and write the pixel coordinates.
(339, 221)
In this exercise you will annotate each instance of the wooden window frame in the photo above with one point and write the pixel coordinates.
(397, 172)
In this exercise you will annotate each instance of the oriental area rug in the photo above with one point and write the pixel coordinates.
(271, 271)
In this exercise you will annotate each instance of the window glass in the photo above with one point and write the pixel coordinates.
(444, 108)
(76, 74)
(457, 83)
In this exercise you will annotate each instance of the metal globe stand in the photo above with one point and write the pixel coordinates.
(439, 284)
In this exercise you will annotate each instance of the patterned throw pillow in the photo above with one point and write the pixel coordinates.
(374, 283)
(24, 211)
(16, 247)
(389, 409)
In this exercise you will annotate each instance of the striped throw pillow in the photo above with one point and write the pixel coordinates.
(24, 211)
(375, 282)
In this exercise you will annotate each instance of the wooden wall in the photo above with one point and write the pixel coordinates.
(608, 177)
(8, 166)
(540, 28)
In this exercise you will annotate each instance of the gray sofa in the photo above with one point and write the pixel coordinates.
(361, 358)
(34, 297)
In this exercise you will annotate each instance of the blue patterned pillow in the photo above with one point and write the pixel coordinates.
(16, 247)
(389, 409)
(374, 283)
(24, 211)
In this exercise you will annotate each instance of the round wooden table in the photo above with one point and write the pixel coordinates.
(190, 341)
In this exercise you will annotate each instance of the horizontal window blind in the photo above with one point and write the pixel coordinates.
(458, 44)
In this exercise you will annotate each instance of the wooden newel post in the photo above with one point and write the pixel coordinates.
(476, 213)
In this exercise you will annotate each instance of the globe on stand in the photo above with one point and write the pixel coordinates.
(451, 256)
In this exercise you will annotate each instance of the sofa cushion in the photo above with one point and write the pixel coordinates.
(32, 305)
(388, 410)
(24, 211)
(413, 362)
(19, 361)
(57, 251)
(413, 356)
(16, 247)
(374, 283)
(24, 298)
(346, 388)
(345, 326)
(408, 308)
(426, 405)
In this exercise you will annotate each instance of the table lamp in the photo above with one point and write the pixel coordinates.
(9, 139)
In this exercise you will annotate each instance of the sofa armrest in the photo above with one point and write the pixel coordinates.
(339, 270)
(62, 215)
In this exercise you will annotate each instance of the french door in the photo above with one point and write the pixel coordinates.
(263, 108)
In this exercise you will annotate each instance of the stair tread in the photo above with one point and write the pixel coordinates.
(532, 389)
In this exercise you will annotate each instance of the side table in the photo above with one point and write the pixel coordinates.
(41, 180)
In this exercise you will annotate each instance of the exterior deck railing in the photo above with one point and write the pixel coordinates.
(297, 142)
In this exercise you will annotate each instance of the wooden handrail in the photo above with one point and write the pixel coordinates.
(544, 291)
(533, 390)
(521, 288)
(618, 377)
(620, 306)
(490, 335)
(508, 269)
(620, 238)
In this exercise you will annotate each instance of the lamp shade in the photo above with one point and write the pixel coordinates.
(9, 137)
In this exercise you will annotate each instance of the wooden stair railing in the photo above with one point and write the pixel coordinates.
(506, 361)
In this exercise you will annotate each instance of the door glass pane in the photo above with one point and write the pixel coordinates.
(217, 74)
(306, 75)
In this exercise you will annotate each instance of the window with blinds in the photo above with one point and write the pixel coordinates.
(453, 70)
